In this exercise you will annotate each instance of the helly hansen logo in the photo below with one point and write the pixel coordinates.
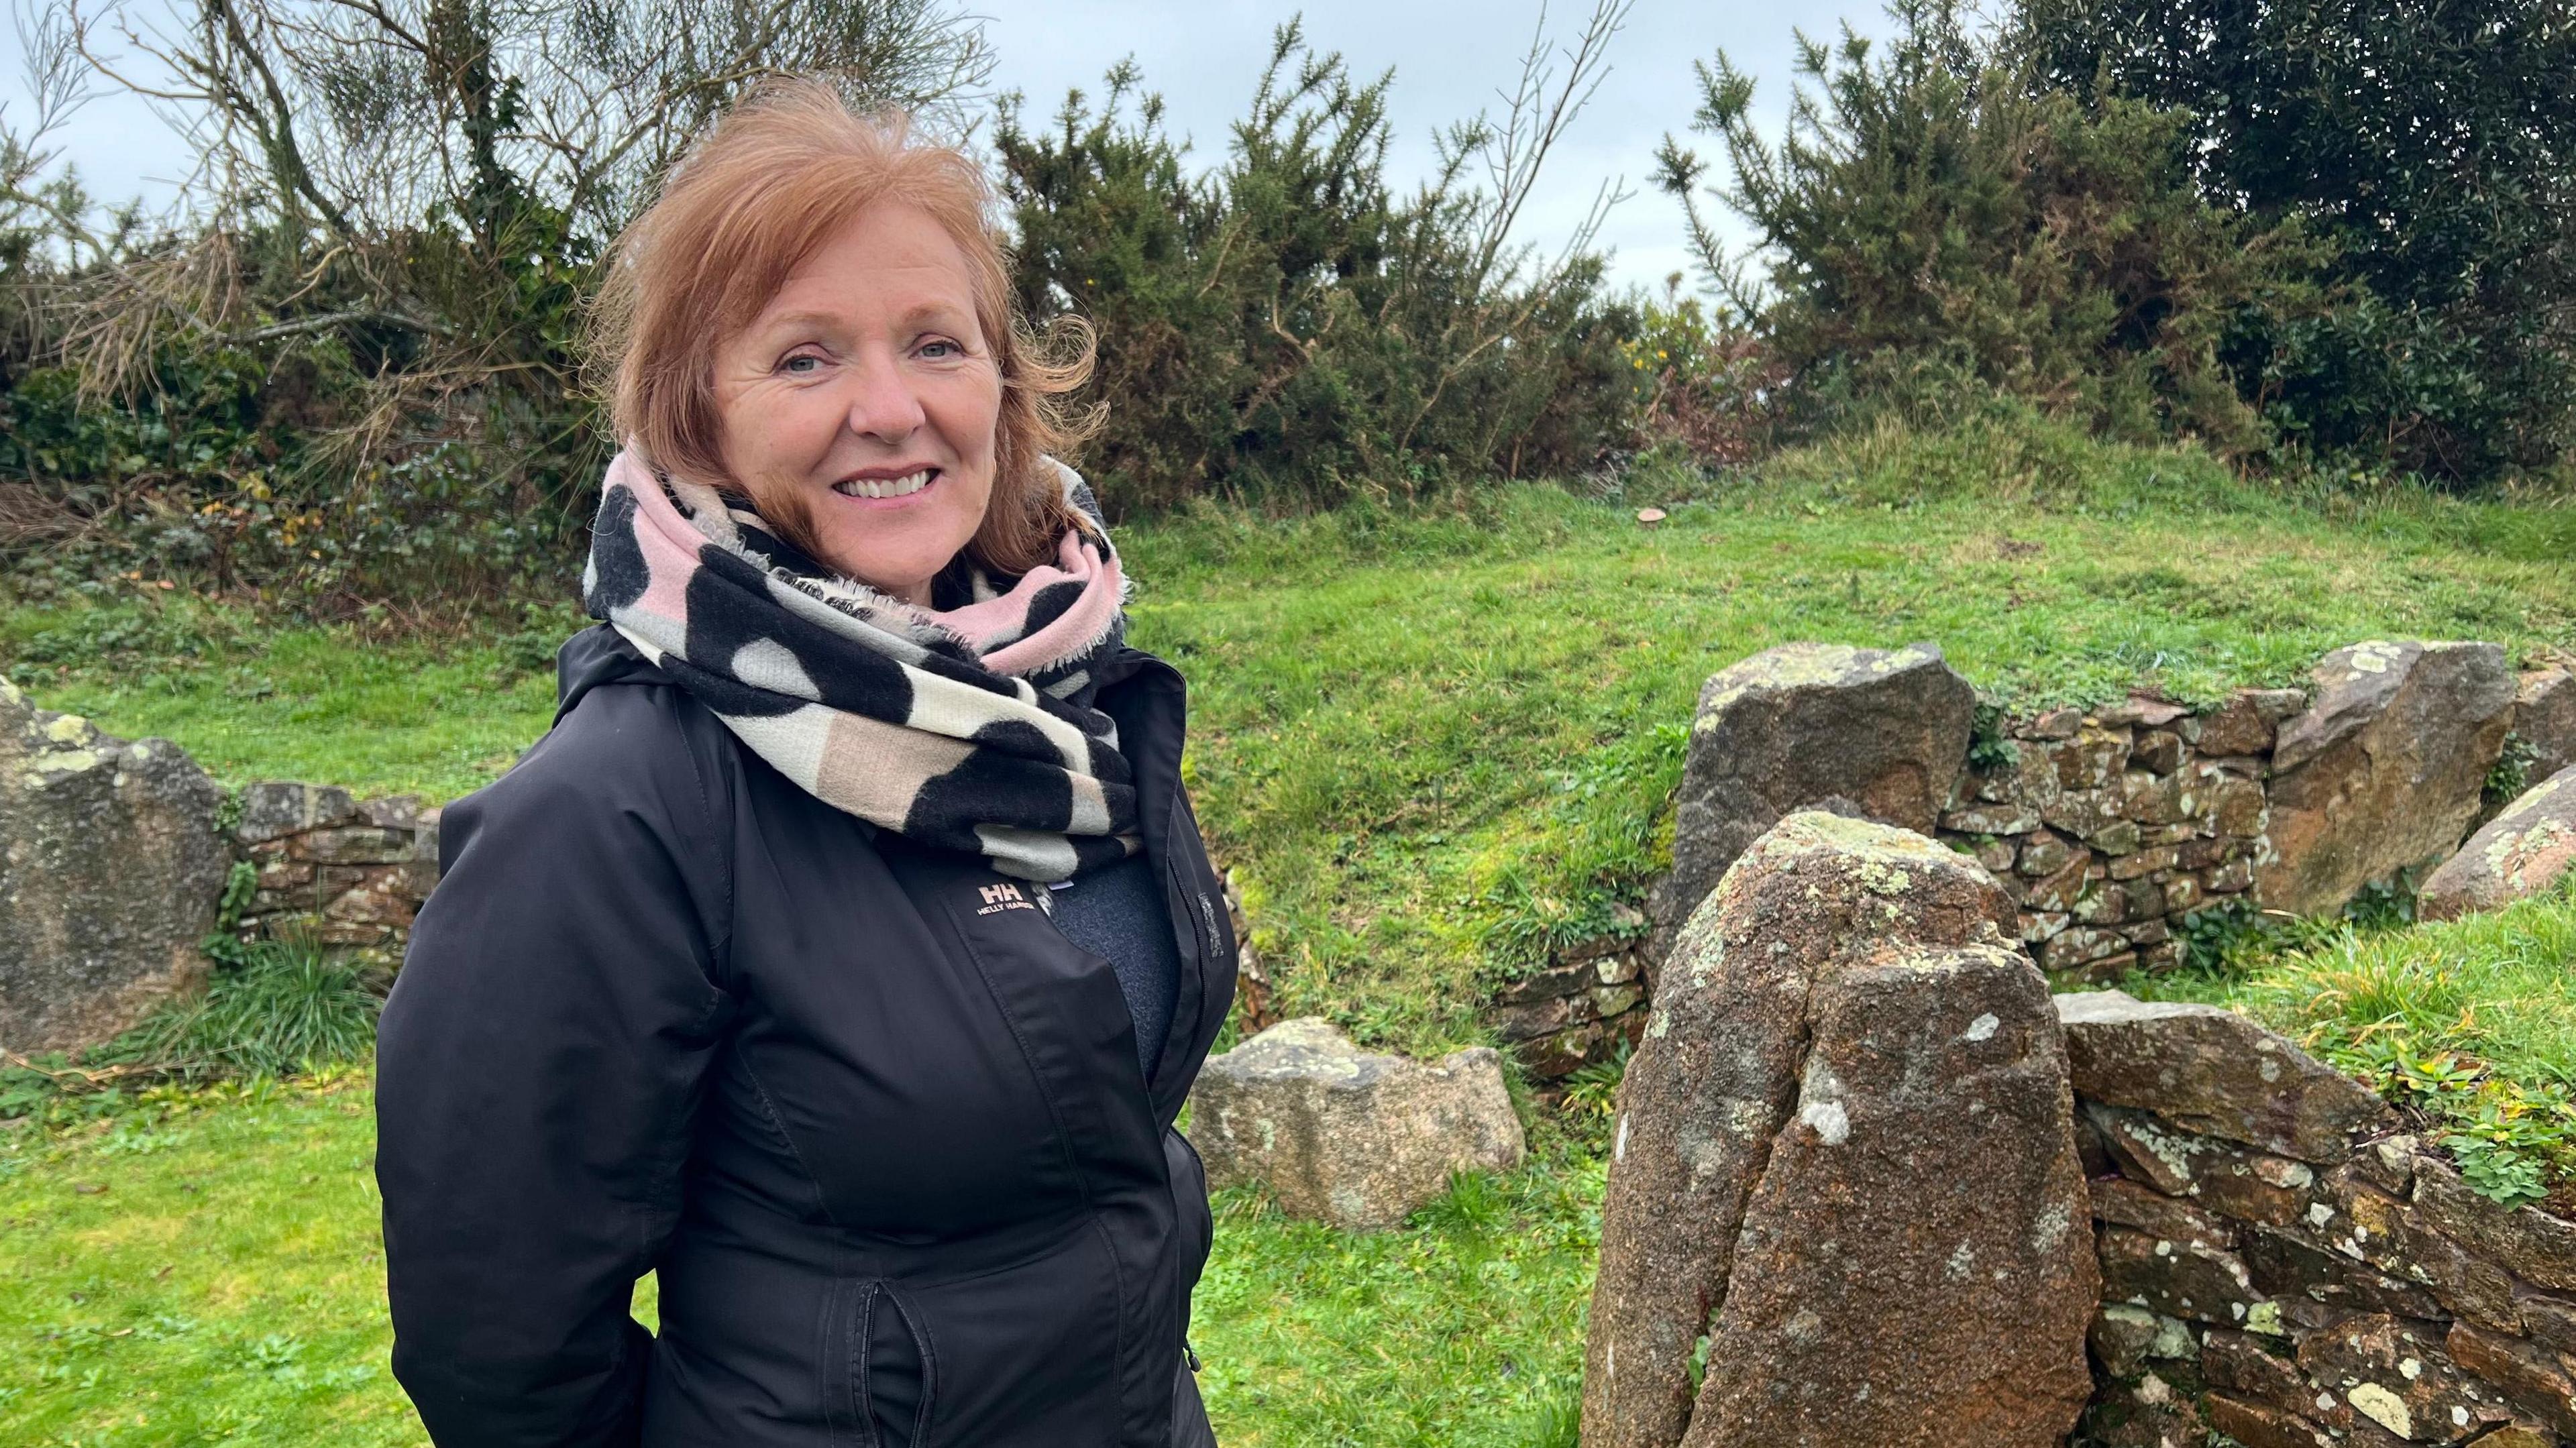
(1005, 896)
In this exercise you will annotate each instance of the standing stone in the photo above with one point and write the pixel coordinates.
(2544, 714)
(2384, 771)
(1866, 732)
(1845, 1159)
(110, 869)
(1353, 1139)
(2521, 852)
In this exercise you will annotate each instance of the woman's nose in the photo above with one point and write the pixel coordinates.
(883, 404)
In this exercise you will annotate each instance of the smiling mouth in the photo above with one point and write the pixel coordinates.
(904, 486)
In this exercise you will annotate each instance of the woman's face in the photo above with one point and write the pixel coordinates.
(866, 395)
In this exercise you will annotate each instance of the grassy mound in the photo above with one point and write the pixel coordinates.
(1432, 743)
(1429, 744)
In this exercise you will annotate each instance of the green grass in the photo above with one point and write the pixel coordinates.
(209, 1272)
(251, 699)
(1430, 744)
(212, 1276)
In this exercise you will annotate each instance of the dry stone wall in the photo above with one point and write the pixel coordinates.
(2110, 828)
(2282, 1266)
(335, 869)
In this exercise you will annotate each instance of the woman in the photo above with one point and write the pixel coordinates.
(761, 971)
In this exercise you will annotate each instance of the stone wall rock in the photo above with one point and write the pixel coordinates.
(2521, 852)
(1874, 733)
(2362, 1296)
(334, 869)
(1344, 1136)
(1844, 1156)
(2385, 770)
(111, 866)
(2215, 1073)
(2544, 715)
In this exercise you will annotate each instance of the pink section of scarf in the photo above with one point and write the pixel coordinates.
(1072, 632)
(670, 542)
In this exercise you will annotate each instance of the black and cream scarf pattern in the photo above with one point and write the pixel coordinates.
(970, 728)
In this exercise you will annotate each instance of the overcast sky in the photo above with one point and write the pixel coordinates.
(1205, 55)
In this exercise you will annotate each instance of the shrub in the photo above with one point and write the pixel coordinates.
(1288, 332)
(1706, 384)
(1933, 222)
(2435, 145)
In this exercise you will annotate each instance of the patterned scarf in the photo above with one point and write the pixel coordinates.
(970, 728)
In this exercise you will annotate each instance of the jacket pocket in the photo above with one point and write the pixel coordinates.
(880, 1374)
(1195, 1222)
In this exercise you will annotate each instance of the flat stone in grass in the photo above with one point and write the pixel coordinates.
(1344, 1136)
(2522, 852)
(2386, 769)
(1869, 732)
(110, 868)
(1844, 1158)
(2214, 1072)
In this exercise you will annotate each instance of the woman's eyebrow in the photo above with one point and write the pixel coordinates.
(789, 320)
(948, 313)
(924, 313)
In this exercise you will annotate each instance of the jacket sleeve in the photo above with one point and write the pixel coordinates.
(538, 1067)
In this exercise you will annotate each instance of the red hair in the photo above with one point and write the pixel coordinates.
(766, 188)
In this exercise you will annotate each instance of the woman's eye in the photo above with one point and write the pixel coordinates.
(942, 349)
(802, 364)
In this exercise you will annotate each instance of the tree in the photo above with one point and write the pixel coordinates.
(1285, 328)
(2434, 142)
(390, 226)
(1928, 210)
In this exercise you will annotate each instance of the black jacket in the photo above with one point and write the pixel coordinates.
(877, 1125)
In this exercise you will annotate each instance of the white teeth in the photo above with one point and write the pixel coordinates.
(883, 487)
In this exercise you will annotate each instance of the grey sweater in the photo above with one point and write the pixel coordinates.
(1116, 912)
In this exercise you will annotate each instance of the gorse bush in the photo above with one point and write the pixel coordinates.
(1934, 223)
(1285, 330)
(2340, 230)
(351, 373)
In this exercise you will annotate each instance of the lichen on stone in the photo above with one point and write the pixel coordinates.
(2373, 656)
(2383, 1407)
